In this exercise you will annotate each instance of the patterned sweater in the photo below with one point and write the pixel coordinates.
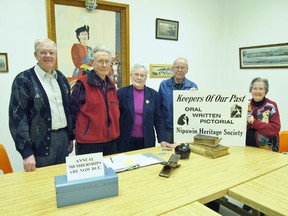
(30, 114)
(264, 132)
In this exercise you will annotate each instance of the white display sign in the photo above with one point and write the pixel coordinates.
(84, 166)
(215, 113)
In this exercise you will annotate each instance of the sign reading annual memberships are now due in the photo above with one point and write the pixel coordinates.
(215, 113)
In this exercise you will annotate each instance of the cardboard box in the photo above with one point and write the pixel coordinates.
(85, 190)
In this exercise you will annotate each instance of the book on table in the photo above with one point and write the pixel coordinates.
(209, 151)
(124, 162)
(206, 140)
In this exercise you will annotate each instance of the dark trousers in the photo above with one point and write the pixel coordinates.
(136, 143)
(58, 149)
(87, 148)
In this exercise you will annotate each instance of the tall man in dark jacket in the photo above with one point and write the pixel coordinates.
(39, 116)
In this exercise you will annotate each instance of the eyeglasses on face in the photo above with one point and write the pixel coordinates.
(254, 89)
(102, 62)
(178, 68)
(139, 75)
(46, 53)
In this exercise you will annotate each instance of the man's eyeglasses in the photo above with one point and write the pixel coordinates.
(46, 53)
(102, 62)
(180, 68)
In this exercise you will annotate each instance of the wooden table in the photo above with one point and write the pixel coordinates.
(195, 208)
(142, 191)
(267, 194)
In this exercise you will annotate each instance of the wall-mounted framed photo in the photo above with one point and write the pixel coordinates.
(107, 24)
(161, 70)
(167, 29)
(264, 56)
(4, 62)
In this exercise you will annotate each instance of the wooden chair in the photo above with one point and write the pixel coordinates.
(283, 141)
(5, 164)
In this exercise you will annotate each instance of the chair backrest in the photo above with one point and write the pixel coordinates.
(283, 141)
(5, 164)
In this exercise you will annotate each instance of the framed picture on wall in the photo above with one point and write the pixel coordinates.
(167, 29)
(161, 70)
(4, 62)
(77, 30)
(264, 56)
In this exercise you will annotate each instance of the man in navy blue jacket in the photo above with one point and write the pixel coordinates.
(177, 82)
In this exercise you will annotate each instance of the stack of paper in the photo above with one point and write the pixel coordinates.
(124, 162)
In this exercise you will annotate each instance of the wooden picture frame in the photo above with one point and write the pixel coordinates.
(4, 62)
(167, 29)
(264, 56)
(161, 70)
(121, 26)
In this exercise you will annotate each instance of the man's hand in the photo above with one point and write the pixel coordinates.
(167, 145)
(29, 163)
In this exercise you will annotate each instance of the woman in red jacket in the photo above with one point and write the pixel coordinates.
(81, 53)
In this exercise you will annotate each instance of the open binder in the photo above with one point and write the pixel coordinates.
(124, 162)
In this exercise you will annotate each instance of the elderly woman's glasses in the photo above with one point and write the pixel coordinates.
(139, 75)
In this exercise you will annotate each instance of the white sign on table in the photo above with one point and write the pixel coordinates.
(215, 113)
(84, 166)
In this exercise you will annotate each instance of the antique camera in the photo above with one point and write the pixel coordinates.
(183, 150)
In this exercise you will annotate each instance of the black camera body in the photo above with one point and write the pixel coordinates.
(183, 150)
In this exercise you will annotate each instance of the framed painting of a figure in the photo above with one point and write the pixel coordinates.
(77, 30)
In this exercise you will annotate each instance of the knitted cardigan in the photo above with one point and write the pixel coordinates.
(30, 115)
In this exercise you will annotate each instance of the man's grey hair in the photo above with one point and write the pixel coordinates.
(259, 79)
(181, 58)
(136, 67)
(101, 48)
(40, 41)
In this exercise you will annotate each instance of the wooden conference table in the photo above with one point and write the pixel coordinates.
(267, 193)
(142, 191)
